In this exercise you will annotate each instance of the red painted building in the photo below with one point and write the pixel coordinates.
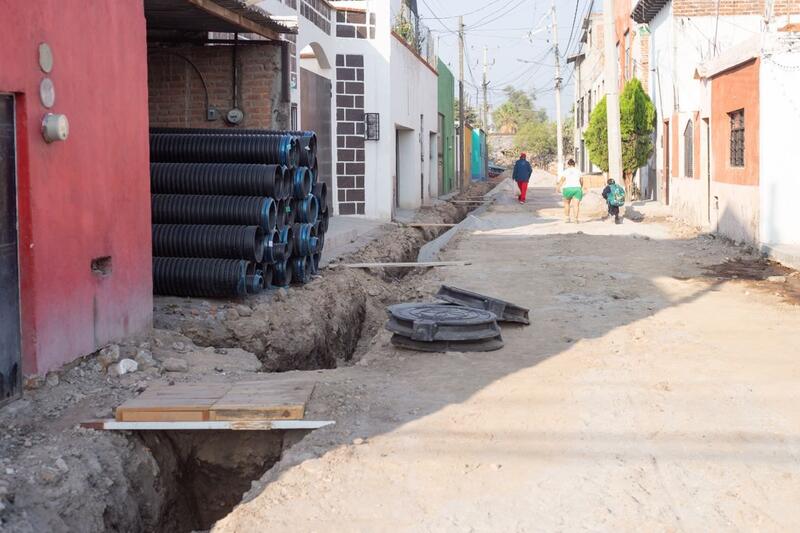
(82, 204)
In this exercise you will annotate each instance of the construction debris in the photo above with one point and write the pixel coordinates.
(505, 311)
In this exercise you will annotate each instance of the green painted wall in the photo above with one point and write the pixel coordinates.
(447, 90)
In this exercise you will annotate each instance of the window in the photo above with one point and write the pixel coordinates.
(589, 103)
(688, 150)
(737, 138)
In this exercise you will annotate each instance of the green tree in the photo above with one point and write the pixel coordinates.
(516, 111)
(538, 139)
(637, 123)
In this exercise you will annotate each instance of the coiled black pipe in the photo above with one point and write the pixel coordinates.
(315, 260)
(216, 178)
(208, 209)
(286, 239)
(282, 273)
(308, 209)
(187, 240)
(201, 278)
(303, 233)
(324, 219)
(219, 148)
(301, 269)
(301, 183)
(320, 190)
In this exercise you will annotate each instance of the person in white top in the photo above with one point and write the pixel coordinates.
(570, 185)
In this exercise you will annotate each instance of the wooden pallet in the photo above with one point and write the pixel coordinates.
(197, 402)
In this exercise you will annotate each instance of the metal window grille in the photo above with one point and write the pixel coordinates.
(737, 138)
(372, 127)
(688, 150)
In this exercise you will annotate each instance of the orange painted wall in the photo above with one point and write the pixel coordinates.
(623, 23)
(730, 91)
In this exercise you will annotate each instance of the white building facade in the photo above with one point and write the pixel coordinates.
(358, 62)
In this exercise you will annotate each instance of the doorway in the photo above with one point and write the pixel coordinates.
(315, 105)
(707, 147)
(434, 179)
(443, 187)
(10, 337)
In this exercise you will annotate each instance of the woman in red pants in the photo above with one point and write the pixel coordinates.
(522, 174)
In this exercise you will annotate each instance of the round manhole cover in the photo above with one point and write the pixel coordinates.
(441, 314)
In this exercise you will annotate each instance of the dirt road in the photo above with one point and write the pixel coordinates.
(646, 396)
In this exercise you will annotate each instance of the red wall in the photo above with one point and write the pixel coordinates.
(89, 196)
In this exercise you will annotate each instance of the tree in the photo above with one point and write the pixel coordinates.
(470, 114)
(539, 140)
(516, 111)
(637, 123)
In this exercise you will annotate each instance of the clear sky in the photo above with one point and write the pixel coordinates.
(504, 27)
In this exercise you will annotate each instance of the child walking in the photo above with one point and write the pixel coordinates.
(615, 198)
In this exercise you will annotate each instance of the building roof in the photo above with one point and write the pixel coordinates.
(733, 57)
(645, 10)
(226, 16)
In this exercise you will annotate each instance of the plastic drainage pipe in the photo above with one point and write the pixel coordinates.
(301, 183)
(283, 272)
(278, 149)
(308, 209)
(315, 260)
(286, 238)
(217, 241)
(199, 277)
(219, 179)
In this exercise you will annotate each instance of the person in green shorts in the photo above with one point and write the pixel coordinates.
(570, 185)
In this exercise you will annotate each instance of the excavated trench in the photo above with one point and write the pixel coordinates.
(203, 474)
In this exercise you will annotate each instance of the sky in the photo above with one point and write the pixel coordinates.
(504, 27)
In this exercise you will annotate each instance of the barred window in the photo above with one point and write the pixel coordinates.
(688, 150)
(737, 138)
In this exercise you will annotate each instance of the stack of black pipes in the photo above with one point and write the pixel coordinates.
(235, 212)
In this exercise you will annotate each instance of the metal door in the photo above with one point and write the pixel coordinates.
(315, 115)
(10, 356)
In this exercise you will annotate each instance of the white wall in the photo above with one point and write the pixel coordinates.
(779, 153)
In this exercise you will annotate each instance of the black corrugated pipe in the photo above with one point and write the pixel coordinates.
(301, 183)
(320, 190)
(315, 260)
(209, 209)
(187, 240)
(308, 209)
(303, 233)
(286, 238)
(282, 273)
(324, 219)
(301, 269)
(306, 139)
(268, 273)
(201, 278)
(216, 178)
(274, 250)
(224, 148)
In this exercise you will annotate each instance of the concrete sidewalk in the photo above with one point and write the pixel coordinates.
(348, 234)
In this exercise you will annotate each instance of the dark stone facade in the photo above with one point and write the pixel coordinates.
(350, 134)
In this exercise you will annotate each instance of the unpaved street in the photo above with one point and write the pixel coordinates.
(646, 396)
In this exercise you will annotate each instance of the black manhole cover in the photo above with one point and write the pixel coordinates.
(485, 345)
(442, 323)
(505, 311)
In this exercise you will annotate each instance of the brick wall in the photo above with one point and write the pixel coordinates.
(350, 134)
(177, 96)
(696, 8)
(318, 12)
(355, 25)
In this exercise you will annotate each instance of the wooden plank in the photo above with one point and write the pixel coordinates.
(195, 402)
(428, 225)
(263, 399)
(234, 425)
(404, 265)
(234, 18)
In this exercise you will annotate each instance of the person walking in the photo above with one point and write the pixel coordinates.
(570, 185)
(522, 174)
(615, 198)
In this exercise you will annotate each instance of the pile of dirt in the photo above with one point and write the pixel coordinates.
(761, 274)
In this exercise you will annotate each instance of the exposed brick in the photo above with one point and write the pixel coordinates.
(343, 100)
(345, 128)
(347, 209)
(360, 128)
(358, 102)
(340, 87)
(339, 168)
(354, 115)
(359, 156)
(347, 182)
(346, 155)
(340, 60)
(359, 182)
(355, 87)
(345, 74)
(354, 141)
(360, 74)
(355, 195)
(345, 31)
(341, 194)
(355, 61)
(355, 168)
(340, 114)
(360, 208)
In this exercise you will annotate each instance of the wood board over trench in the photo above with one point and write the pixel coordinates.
(193, 402)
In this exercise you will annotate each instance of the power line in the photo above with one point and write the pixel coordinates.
(501, 15)
(455, 16)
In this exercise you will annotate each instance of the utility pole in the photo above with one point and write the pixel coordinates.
(461, 101)
(612, 92)
(559, 125)
(485, 120)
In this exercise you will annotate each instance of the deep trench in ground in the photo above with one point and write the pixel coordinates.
(203, 474)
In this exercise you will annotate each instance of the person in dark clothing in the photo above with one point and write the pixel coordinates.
(613, 210)
(522, 174)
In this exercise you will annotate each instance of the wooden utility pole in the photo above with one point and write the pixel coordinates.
(612, 92)
(485, 120)
(461, 129)
(559, 124)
